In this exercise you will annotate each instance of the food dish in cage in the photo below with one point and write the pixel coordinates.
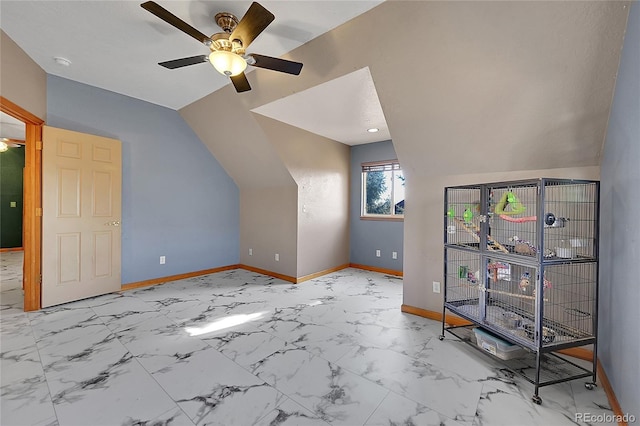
(548, 335)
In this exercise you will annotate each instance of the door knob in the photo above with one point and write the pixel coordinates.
(114, 223)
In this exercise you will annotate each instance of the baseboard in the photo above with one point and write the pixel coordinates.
(155, 281)
(579, 353)
(376, 269)
(269, 273)
(608, 389)
(321, 273)
(2, 250)
(437, 316)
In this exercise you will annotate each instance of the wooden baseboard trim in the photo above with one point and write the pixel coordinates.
(437, 316)
(321, 273)
(579, 353)
(155, 281)
(376, 269)
(611, 396)
(269, 273)
(3, 250)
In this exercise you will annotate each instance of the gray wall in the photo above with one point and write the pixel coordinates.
(620, 234)
(367, 236)
(177, 201)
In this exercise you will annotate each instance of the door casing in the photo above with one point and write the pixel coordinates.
(32, 219)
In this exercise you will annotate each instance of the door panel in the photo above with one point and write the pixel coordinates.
(69, 192)
(82, 178)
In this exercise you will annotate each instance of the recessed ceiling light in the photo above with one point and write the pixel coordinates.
(62, 61)
(373, 130)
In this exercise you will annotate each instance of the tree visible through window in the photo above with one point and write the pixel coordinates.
(382, 189)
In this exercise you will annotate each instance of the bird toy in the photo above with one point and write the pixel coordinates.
(525, 281)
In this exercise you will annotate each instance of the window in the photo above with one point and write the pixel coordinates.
(382, 190)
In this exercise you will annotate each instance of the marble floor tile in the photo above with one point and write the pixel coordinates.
(497, 407)
(290, 413)
(88, 353)
(158, 342)
(121, 310)
(212, 389)
(247, 346)
(322, 341)
(438, 389)
(172, 417)
(27, 401)
(122, 391)
(331, 392)
(19, 364)
(398, 410)
(241, 348)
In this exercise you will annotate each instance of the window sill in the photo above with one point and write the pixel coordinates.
(384, 218)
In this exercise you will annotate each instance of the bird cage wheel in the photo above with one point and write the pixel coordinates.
(536, 399)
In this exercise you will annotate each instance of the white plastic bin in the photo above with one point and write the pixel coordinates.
(497, 346)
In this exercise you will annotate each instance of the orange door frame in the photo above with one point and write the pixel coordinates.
(32, 216)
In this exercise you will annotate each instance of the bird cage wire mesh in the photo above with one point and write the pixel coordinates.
(568, 218)
(540, 235)
(521, 261)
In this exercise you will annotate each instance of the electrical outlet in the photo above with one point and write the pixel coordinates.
(377, 253)
(436, 287)
(394, 254)
(250, 252)
(163, 260)
(277, 257)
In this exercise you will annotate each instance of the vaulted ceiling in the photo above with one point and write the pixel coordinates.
(116, 45)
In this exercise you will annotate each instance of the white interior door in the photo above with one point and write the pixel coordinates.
(81, 206)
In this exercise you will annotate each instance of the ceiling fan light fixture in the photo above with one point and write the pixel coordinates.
(3, 146)
(227, 63)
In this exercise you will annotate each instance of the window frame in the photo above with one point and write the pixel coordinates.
(387, 165)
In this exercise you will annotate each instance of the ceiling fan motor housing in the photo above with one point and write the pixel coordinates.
(227, 21)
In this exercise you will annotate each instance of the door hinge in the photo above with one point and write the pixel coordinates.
(38, 211)
(38, 145)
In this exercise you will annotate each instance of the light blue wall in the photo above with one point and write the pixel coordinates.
(619, 334)
(368, 235)
(177, 201)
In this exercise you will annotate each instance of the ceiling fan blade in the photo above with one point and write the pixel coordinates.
(276, 64)
(171, 19)
(240, 82)
(184, 62)
(252, 24)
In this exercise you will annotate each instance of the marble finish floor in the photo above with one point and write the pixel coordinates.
(240, 348)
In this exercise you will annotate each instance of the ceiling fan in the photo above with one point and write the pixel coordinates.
(228, 48)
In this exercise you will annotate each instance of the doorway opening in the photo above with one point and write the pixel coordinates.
(32, 203)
